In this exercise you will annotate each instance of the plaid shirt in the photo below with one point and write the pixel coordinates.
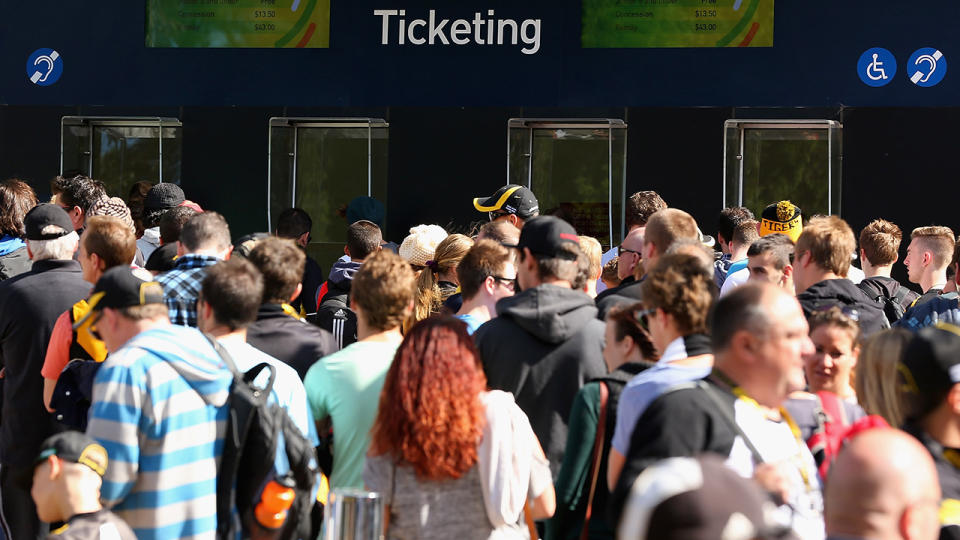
(181, 287)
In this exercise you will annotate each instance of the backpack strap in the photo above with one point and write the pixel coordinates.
(238, 425)
(727, 415)
(597, 457)
(831, 405)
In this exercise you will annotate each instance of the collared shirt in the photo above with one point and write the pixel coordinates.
(181, 287)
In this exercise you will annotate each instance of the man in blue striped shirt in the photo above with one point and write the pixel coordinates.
(159, 408)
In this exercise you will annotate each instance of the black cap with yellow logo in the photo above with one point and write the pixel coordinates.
(510, 199)
(75, 447)
(120, 287)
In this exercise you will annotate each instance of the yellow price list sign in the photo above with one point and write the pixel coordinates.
(677, 23)
(238, 23)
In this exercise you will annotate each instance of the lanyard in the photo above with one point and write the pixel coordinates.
(794, 429)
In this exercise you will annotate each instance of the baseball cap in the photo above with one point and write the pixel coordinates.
(781, 217)
(75, 447)
(44, 215)
(548, 236)
(120, 287)
(686, 498)
(512, 199)
(930, 365)
(164, 195)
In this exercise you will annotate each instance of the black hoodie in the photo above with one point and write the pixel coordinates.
(842, 292)
(333, 312)
(544, 345)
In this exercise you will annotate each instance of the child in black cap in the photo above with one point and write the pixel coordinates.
(66, 487)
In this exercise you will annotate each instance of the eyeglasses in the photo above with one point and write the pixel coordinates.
(621, 250)
(495, 215)
(849, 312)
(642, 317)
(510, 283)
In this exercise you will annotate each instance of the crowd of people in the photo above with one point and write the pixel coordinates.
(511, 382)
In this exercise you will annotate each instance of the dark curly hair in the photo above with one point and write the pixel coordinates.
(683, 287)
(430, 415)
(16, 198)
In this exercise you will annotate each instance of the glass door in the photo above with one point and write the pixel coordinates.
(576, 168)
(766, 161)
(320, 165)
(120, 151)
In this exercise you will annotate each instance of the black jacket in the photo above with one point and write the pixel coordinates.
(842, 292)
(292, 341)
(333, 313)
(947, 472)
(544, 345)
(29, 306)
(14, 263)
(627, 293)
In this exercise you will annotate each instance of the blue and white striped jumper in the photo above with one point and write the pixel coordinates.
(159, 410)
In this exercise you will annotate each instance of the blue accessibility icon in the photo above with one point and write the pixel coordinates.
(44, 67)
(876, 67)
(926, 67)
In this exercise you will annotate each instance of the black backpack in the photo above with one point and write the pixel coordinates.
(893, 305)
(249, 452)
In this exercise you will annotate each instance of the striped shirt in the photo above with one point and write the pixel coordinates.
(181, 286)
(159, 408)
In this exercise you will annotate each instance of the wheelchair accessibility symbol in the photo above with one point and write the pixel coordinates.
(876, 67)
(926, 67)
(44, 67)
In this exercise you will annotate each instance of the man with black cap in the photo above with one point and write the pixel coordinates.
(161, 198)
(67, 477)
(930, 377)
(545, 342)
(159, 404)
(512, 203)
(29, 307)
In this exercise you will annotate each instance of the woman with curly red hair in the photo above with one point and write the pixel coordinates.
(451, 459)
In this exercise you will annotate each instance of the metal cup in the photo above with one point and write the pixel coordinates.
(353, 514)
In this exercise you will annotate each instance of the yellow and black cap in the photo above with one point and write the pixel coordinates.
(781, 217)
(75, 447)
(931, 365)
(510, 199)
(119, 287)
(549, 237)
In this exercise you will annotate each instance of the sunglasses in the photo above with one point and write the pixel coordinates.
(849, 312)
(497, 215)
(621, 250)
(642, 317)
(510, 283)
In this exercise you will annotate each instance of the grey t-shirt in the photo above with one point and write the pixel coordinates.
(425, 509)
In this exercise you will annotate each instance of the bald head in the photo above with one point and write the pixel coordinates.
(883, 485)
(630, 251)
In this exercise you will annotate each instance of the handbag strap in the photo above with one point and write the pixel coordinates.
(597, 458)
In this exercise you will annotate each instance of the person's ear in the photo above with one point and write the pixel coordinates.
(181, 251)
(788, 270)
(927, 258)
(56, 467)
(297, 292)
(743, 344)
(304, 239)
(514, 220)
(99, 263)
(228, 252)
(489, 285)
(953, 398)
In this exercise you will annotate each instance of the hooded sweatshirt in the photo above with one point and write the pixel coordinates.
(544, 345)
(843, 293)
(14, 259)
(159, 408)
(333, 312)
